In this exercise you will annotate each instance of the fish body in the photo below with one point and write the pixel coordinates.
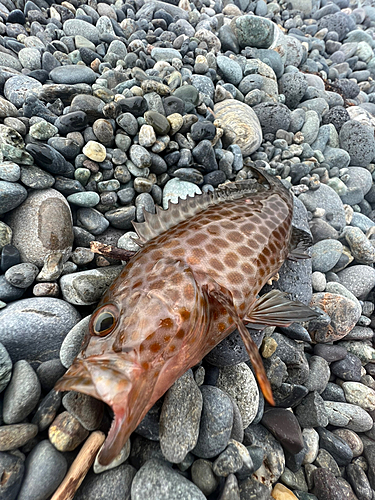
(189, 286)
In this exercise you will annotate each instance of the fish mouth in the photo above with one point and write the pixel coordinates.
(113, 388)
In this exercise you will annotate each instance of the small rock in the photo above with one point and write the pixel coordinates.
(15, 436)
(349, 416)
(66, 433)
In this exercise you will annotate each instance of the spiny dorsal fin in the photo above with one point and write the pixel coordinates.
(156, 224)
(300, 241)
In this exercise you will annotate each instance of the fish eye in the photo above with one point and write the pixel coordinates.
(104, 323)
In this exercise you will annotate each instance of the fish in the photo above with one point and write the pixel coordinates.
(196, 278)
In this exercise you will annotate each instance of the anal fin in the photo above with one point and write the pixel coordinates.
(275, 309)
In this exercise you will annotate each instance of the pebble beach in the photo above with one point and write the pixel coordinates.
(110, 109)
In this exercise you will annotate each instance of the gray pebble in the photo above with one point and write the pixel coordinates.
(180, 417)
(349, 416)
(87, 287)
(5, 368)
(22, 275)
(22, 394)
(45, 468)
(156, 479)
(216, 422)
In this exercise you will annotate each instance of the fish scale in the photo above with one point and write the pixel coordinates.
(195, 279)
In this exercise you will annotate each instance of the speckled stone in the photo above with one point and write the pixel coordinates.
(347, 415)
(239, 382)
(180, 417)
(240, 124)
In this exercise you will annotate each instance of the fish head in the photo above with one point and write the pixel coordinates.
(127, 349)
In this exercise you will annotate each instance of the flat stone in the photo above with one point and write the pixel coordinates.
(240, 124)
(16, 88)
(11, 195)
(349, 416)
(73, 27)
(17, 435)
(285, 427)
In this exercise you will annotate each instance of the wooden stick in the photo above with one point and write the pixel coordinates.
(111, 252)
(80, 467)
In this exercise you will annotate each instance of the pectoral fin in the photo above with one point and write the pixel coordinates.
(301, 240)
(275, 309)
(224, 297)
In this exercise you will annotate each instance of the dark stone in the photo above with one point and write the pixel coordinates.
(215, 424)
(337, 115)
(10, 256)
(311, 411)
(203, 130)
(252, 489)
(215, 178)
(16, 16)
(51, 160)
(348, 368)
(330, 353)
(326, 486)
(289, 395)
(113, 483)
(71, 122)
(336, 446)
(333, 392)
(359, 482)
(204, 155)
(173, 104)
(285, 427)
(137, 106)
(149, 426)
(11, 472)
(272, 117)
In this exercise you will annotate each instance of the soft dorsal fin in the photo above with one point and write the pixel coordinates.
(156, 224)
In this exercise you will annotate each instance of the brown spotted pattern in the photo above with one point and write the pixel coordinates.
(166, 320)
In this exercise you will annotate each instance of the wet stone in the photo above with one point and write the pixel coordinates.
(285, 427)
(15, 436)
(12, 468)
(45, 468)
(66, 433)
(22, 394)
